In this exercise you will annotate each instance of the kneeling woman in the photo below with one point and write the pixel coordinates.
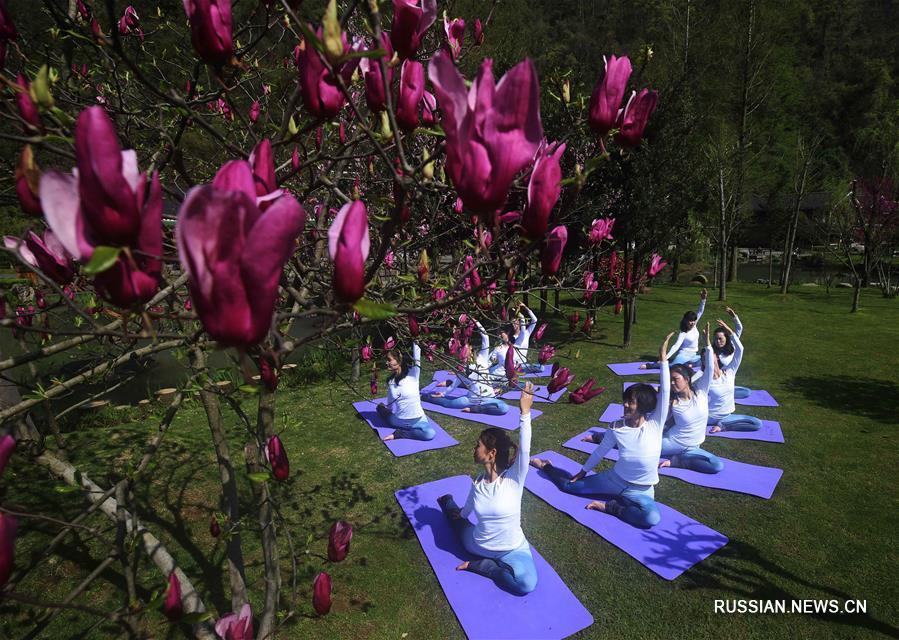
(630, 484)
(729, 354)
(403, 409)
(690, 413)
(685, 349)
(503, 553)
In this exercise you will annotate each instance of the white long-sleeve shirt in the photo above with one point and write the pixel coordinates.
(523, 339)
(476, 381)
(403, 397)
(721, 389)
(497, 359)
(738, 330)
(688, 340)
(497, 504)
(639, 448)
(691, 416)
(483, 357)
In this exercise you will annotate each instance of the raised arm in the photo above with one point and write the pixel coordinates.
(520, 467)
(708, 357)
(415, 369)
(485, 340)
(532, 322)
(703, 296)
(661, 411)
(738, 326)
(676, 346)
(734, 364)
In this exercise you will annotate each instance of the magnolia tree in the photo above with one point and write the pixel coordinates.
(287, 179)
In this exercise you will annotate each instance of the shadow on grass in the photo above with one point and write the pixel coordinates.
(745, 571)
(868, 397)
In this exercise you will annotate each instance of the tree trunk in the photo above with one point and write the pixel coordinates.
(722, 237)
(856, 293)
(264, 431)
(229, 502)
(675, 269)
(629, 313)
(770, 266)
(543, 296)
(732, 271)
(805, 160)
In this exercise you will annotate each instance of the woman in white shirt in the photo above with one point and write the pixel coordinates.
(516, 336)
(403, 409)
(630, 484)
(689, 414)
(503, 553)
(722, 391)
(685, 349)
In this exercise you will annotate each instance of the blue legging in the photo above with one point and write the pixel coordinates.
(742, 392)
(492, 406)
(637, 501)
(410, 428)
(737, 422)
(692, 458)
(513, 570)
(531, 367)
(685, 357)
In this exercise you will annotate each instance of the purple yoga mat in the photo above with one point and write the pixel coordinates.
(631, 369)
(508, 421)
(736, 476)
(756, 398)
(484, 610)
(770, 431)
(402, 446)
(669, 548)
(541, 393)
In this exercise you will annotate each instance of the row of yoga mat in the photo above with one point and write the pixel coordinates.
(552, 611)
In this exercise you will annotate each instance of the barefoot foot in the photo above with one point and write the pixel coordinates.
(664, 463)
(463, 566)
(466, 410)
(389, 437)
(716, 429)
(537, 462)
(597, 505)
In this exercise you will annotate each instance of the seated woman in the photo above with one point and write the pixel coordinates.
(403, 409)
(630, 484)
(724, 349)
(480, 396)
(721, 390)
(503, 553)
(689, 414)
(685, 349)
(515, 337)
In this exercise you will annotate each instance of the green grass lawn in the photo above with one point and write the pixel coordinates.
(830, 530)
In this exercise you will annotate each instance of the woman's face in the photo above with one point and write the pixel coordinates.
(679, 383)
(720, 339)
(483, 455)
(516, 326)
(690, 324)
(630, 409)
(393, 365)
(504, 337)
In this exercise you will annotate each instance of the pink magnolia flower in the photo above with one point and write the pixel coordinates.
(210, 29)
(348, 246)
(411, 91)
(585, 392)
(277, 458)
(478, 32)
(236, 626)
(413, 326)
(428, 109)
(390, 343)
(366, 353)
(215, 530)
(375, 97)
(573, 320)
(411, 19)
(171, 606)
(588, 325)
(608, 93)
(339, 538)
(7, 447)
(590, 285)
(255, 110)
(455, 34)
(374, 386)
(544, 189)
(7, 31)
(8, 528)
(509, 365)
(49, 256)
(105, 203)
(129, 23)
(561, 379)
(633, 119)
(28, 178)
(321, 593)
(492, 131)
(546, 354)
(458, 206)
(268, 371)
(233, 253)
(295, 159)
(262, 162)
(464, 352)
(656, 265)
(439, 294)
(619, 303)
(390, 259)
(322, 98)
(601, 229)
(27, 109)
(538, 333)
(553, 247)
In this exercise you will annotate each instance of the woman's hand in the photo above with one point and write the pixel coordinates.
(527, 398)
(663, 351)
(730, 312)
(437, 394)
(705, 334)
(722, 323)
(703, 294)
